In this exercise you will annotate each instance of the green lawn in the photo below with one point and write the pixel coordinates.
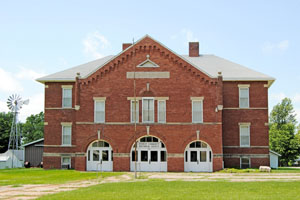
(184, 190)
(41, 176)
(286, 170)
(255, 170)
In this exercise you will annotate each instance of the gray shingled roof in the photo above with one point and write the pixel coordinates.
(69, 75)
(209, 64)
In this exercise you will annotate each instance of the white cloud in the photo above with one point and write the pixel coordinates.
(283, 45)
(189, 35)
(185, 35)
(269, 47)
(94, 43)
(9, 83)
(3, 106)
(277, 97)
(28, 74)
(296, 98)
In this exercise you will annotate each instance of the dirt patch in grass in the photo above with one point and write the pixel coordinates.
(33, 191)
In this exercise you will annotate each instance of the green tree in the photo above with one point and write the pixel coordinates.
(33, 128)
(282, 132)
(283, 113)
(5, 126)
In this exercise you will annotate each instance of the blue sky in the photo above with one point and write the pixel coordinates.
(42, 37)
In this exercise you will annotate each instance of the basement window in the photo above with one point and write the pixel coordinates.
(66, 162)
(245, 162)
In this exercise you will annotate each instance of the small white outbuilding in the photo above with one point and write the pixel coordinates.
(274, 159)
(12, 159)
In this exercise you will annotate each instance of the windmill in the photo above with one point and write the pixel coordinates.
(15, 103)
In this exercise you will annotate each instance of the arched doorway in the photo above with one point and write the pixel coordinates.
(99, 156)
(151, 155)
(198, 157)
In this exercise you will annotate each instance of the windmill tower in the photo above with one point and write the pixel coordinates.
(15, 103)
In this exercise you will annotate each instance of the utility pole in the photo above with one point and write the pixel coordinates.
(135, 142)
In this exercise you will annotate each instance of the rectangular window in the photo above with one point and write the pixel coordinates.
(197, 111)
(244, 97)
(65, 162)
(154, 156)
(99, 109)
(144, 156)
(161, 111)
(105, 155)
(245, 162)
(66, 135)
(148, 110)
(194, 156)
(67, 98)
(132, 115)
(202, 156)
(244, 135)
(96, 155)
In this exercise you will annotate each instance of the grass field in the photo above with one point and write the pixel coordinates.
(255, 170)
(41, 176)
(159, 189)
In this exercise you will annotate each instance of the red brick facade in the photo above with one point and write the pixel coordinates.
(220, 128)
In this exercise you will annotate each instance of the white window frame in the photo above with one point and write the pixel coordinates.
(147, 98)
(66, 87)
(249, 133)
(62, 163)
(99, 99)
(66, 124)
(195, 99)
(158, 120)
(132, 111)
(244, 86)
(241, 161)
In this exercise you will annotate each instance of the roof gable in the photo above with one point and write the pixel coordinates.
(206, 66)
(144, 46)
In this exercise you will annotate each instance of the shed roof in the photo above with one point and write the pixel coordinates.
(275, 153)
(33, 142)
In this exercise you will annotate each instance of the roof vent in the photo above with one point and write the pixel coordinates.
(194, 49)
(125, 46)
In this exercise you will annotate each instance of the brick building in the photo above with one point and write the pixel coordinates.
(193, 112)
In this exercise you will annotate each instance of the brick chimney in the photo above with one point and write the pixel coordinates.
(125, 46)
(193, 49)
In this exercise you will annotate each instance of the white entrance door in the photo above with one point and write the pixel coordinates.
(198, 158)
(99, 157)
(151, 155)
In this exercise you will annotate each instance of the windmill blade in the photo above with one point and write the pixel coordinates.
(26, 102)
